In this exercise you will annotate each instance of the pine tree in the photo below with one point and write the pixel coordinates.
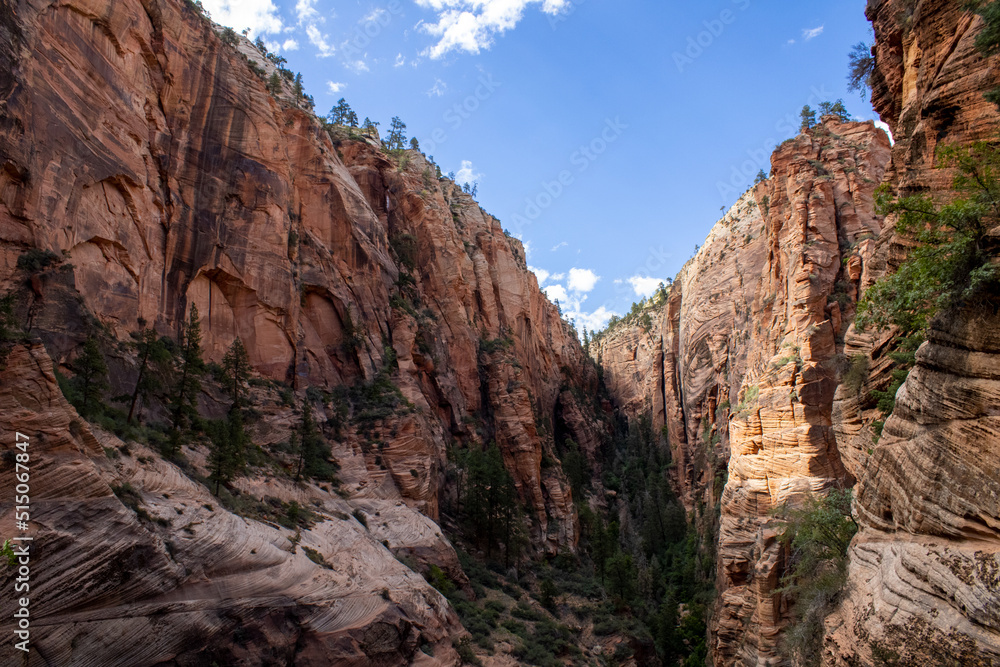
(808, 117)
(92, 377)
(236, 371)
(184, 402)
(229, 442)
(274, 84)
(341, 113)
(152, 353)
(396, 139)
(313, 450)
(297, 86)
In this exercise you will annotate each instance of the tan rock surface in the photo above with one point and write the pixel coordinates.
(743, 357)
(189, 583)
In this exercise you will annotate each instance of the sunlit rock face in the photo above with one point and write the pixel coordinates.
(146, 154)
(923, 585)
(741, 364)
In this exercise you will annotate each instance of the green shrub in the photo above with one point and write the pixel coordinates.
(35, 260)
(818, 536)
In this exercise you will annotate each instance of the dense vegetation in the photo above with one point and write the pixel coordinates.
(643, 572)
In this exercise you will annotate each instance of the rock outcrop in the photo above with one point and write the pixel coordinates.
(132, 563)
(153, 160)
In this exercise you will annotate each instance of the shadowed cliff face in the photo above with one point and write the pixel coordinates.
(743, 357)
(145, 152)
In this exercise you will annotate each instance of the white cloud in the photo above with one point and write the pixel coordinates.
(541, 274)
(791, 41)
(438, 89)
(467, 174)
(306, 12)
(471, 25)
(324, 48)
(335, 87)
(559, 245)
(812, 33)
(290, 45)
(261, 16)
(582, 280)
(558, 276)
(357, 66)
(556, 293)
(644, 286)
(527, 247)
(375, 16)
(400, 60)
(594, 321)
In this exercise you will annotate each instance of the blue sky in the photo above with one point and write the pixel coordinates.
(607, 134)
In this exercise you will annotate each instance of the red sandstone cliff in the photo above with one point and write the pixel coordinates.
(144, 150)
(923, 587)
(146, 154)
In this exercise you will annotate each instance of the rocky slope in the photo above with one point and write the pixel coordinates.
(159, 574)
(157, 167)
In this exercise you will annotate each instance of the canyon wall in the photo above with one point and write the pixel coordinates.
(744, 355)
(149, 166)
(923, 586)
(745, 361)
(145, 153)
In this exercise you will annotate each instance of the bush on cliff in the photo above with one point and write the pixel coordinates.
(817, 537)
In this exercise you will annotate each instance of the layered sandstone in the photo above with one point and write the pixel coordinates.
(923, 586)
(147, 155)
(171, 578)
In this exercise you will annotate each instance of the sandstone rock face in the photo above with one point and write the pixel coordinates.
(171, 578)
(925, 569)
(145, 153)
(744, 358)
(923, 586)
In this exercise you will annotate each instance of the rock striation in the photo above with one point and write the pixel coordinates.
(132, 563)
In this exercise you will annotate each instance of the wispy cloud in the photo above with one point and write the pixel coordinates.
(557, 246)
(260, 16)
(471, 25)
(335, 87)
(290, 45)
(467, 174)
(812, 33)
(438, 89)
(324, 49)
(400, 60)
(356, 66)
